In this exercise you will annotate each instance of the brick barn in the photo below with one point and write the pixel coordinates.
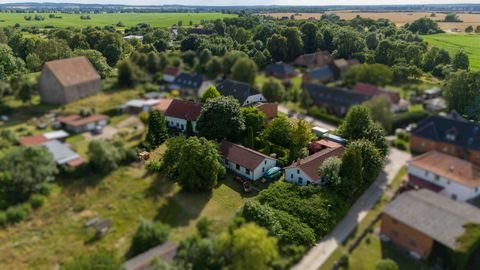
(66, 80)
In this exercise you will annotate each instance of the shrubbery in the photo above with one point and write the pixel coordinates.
(17, 213)
(37, 200)
(148, 235)
(402, 120)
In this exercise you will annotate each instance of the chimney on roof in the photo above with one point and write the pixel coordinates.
(451, 168)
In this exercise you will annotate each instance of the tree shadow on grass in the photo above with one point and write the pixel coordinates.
(182, 207)
(232, 184)
(159, 187)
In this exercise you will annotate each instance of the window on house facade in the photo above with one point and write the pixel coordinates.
(291, 175)
(298, 171)
(263, 169)
(476, 189)
(238, 167)
(454, 197)
(247, 171)
(437, 178)
(300, 180)
(226, 162)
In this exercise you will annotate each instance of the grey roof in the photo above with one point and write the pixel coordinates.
(321, 94)
(189, 80)
(60, 151)
(432, 214)
(437, 128)
(166, 251)
(239, 90)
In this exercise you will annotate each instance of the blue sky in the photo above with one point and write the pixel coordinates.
(252, 2)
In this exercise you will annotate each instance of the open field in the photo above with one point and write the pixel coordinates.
(453, 43)
(129, 19)
(399, 18)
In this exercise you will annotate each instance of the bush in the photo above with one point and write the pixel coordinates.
(3, 219)
(149, 234)
(16, 214)
(322, 114)
(402, 120)
(37, 200)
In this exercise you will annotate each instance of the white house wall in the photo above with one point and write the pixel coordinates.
(295, 175)
(253, 175)
(451, 189)
(178, 123)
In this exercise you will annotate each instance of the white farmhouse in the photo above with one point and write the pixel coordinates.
(245, 161)
(448, 175)
(305, 171)
(243, 92)
(180, 111)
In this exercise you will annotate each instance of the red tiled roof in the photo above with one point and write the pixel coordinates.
(73, 71)
(450, 167)
(33, 140)
(269, 109)
(173, 71)
(163, 105)
(76, 162)
(242, 156)
(77, 120)
(310, 164)
(184, 109)
(372, 90)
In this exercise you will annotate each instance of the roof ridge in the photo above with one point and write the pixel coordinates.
(249, 149)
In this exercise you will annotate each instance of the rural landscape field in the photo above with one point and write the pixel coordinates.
(128, 19)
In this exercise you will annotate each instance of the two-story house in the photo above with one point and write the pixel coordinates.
(451, 176)
(245, 161)
(181, 111)
(451, 134)
(243, 92)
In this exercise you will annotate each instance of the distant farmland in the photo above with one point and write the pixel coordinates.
(128, 19)
(453, 43)
(399, 18)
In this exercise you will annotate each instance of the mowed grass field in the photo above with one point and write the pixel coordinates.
(129, 19)
(453, 43)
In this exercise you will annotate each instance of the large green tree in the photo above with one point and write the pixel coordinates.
(254, 118)
(381, 111)
(195, 162)
(277, 46)
(253, 248)
(460, 61)
(157, 129)
(311, 37)
(244, 70)
(377, 74)
(9, 64)
(104, 156)
(27, 169)
(462, 92)
(358, 125)
(210, 92)
(348, 43)
(294, 43)
(273, 90)
(278, 131)
(221, 118)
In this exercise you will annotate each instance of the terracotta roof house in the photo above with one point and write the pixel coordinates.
(305, 171)
(450, 134)
(165, 251)
(269, 109)
(180, 111)
(450, 176)
(280, 70)
(421, 220)
(62, 154)
(243, 92)
(335, 100)
(312, 60)
(78, 124)
(245, 161)
(321, 74)
(170, 73)
(39, 139)
(163, 105)
(66, 80)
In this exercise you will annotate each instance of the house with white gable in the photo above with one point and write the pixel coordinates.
(305, 171)
(245, 161)
(243, 92)
(448, 175)
(180, 111)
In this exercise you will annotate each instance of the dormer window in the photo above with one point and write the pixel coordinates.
(451, 137)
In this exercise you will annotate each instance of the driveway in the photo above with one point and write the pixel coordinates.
(323, 249)
(307, 118)
(107, 133)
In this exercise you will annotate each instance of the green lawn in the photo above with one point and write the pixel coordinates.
(454, 42)
(129, 19)
(55, 232)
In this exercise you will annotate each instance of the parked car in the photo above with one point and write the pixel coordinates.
(97, 130)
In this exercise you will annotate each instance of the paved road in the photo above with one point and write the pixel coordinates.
(323, 249)
(307, 118)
